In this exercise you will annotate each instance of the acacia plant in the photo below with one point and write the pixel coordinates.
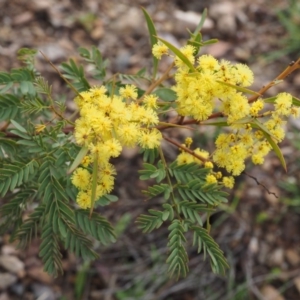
(60, 167)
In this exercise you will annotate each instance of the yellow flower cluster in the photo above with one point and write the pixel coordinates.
(213, 86)
(249, 140)
(187, 158)
(212, 177)
(197, 91)
(106, 124)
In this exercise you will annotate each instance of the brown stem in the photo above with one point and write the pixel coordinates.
(185, 149)
(291, 68)
(61, 75)
(157, 82)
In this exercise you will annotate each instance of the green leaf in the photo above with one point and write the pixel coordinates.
(153, 221)
(256, 124)
(179, 54)
(270, 99)
(201, 23)
(239, 88)
(177, 259)
(296, 101)
(62, 227)
(9, 106)
(220, 123)
(153, 38)
(206, 243)
(276, 150)
(210, 42)
(166, 94)
(81, 154)
(18, 126)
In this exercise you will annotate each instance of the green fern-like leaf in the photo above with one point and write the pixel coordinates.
(149, 155)
(14, 175)
(29, 227)
(196, 191)
(50, 251)
(23, 77)
(96, 226)
(204, 241)
(136, 78)
(150, 172)
(94, 57)
(77, 242)
(34, 106)
(42, 86)
(150, 222)
(8, 147)
(188, 172)
(191, 211)
(155, 190)
(76, 75)
(178, 258)
(106, 200)
(11, 212)
(9, 106)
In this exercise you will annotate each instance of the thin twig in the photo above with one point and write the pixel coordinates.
(185, 149)
(258, 183)
(291, 68)
(157, 82)
(61, 75)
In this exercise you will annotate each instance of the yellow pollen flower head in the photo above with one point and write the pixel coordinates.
(228, 181)
(211, 179)
(129, 91)
(81, 178)
(159, 50)
(83, 199)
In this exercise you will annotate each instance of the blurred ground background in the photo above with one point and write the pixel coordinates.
(258, 232)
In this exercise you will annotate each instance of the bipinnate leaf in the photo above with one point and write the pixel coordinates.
(206, 243)
(177, 259)
(96, 226)
(50, 251)
(150, 222)
(9, 106)
(14, 175)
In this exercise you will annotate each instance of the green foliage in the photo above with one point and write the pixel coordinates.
(94, 57)
(156, 218)
(206, 243)
(178, 258)
(14, 175)
(76, 75)
(33, 170)
(166, 94)
(149, 155)
(95, 226)
(23, 77)
(28, 229)
(191, 197)
(153, 38)
(135, 78)
(9, 106)
(151, 171)
(8, 147)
